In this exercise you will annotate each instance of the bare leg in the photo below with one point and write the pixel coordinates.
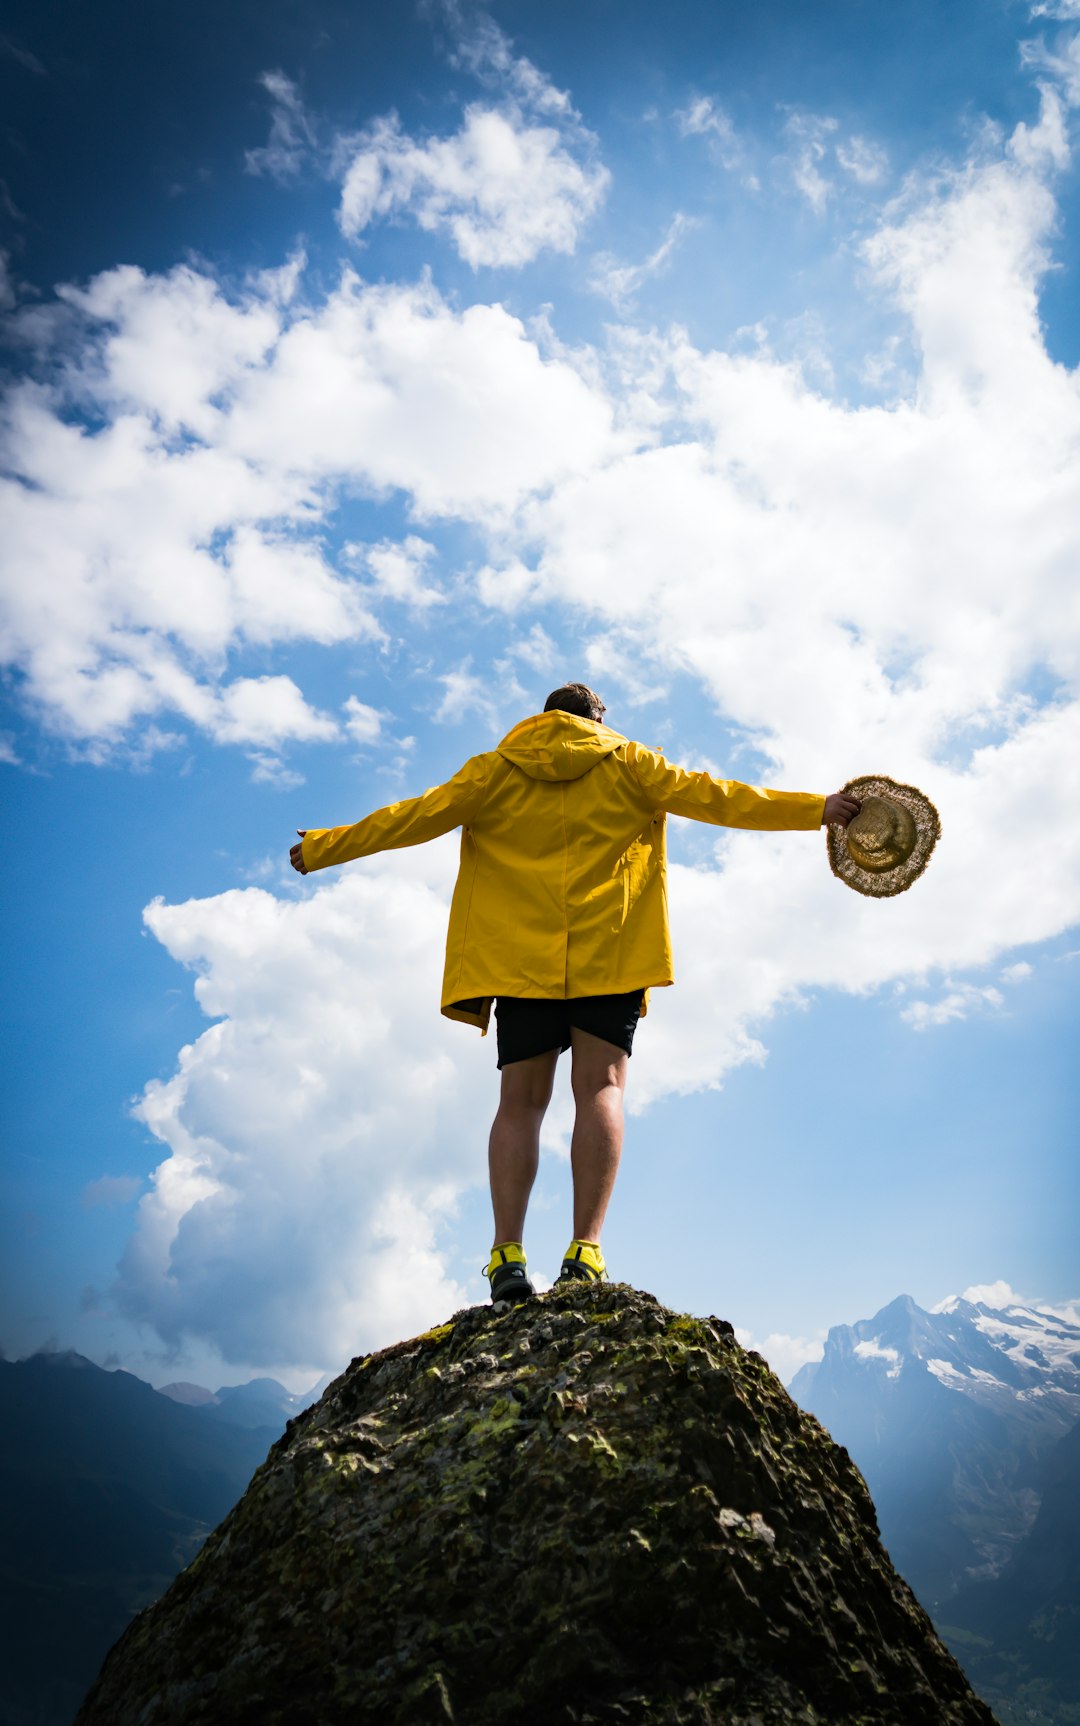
(514, 1145)
(598, 1076)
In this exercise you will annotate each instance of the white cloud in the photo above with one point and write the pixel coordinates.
(294, 1218)
(864, 160)
(785, 1354)
(536, 650)
(271, 770)
(998, 1295)
(390, 386)
(465, 692)
(1062, 9)
(363, 723)
(810, 134)
(141, 551)
(291, 132)
(399, 571)
(957, 1003)
(703, 119)
(816, 143)
(269, 711)
(620, 282)
(488, 54)
(520, 176)
(1018, 973)
(843, 584)
(504, 190)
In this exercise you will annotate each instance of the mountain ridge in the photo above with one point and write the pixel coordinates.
(949, 1414)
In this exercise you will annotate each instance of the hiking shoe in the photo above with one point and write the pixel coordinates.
(508, 1276)
(583, 1262)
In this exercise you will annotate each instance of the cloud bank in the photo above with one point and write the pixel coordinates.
(883, 587)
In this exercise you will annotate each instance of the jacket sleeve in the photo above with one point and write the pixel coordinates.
(723, 802)
(413, 822)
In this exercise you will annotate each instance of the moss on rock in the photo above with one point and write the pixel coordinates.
(582, 1511)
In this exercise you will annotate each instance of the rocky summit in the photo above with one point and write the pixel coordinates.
(584, 1509)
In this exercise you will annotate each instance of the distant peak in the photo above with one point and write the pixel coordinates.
(60, 1357)
(194, 1395)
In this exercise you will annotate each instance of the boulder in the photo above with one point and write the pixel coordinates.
(587, 1509)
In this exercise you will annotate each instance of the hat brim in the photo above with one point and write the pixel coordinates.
(927, 831)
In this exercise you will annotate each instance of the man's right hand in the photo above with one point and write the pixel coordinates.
(840, 808)
(296, 855)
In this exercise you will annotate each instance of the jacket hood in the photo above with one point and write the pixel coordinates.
(559, 746)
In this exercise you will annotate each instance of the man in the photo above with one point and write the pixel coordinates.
(559, 917)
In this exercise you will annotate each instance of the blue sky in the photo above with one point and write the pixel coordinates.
(367, 371)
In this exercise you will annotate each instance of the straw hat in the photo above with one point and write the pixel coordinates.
(888, 844)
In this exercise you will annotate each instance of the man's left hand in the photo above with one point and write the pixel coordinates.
(840, 808)
(296, 855)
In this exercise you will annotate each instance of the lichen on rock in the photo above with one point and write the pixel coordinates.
(581, 1511)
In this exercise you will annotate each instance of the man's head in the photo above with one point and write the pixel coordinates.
(576, 698)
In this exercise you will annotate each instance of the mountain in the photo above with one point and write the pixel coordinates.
(191, 1395)
(584, 1509)
(106, 1490)
(262, 1402)
(1019, 1635)
(950, 1415)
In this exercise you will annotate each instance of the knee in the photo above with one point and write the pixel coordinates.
(525, 1101)
(597, 1090)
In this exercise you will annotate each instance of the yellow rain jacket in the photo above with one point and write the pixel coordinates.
(561, 889)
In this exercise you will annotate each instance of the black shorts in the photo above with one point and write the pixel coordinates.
(526, 1027)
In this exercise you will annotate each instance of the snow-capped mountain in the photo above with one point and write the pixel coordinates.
(949, 1414)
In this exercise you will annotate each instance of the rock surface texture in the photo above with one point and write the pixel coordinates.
(586, 1509)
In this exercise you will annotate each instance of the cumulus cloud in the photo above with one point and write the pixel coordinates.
(877, 588)
(167, 471)
(296, 1215)
(846, 585)
(398, 571)
(363, 723)
(268, 710)
(784, 1353)
(999, 1295)
(503, 189)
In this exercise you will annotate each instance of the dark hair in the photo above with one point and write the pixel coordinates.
(576, 698)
